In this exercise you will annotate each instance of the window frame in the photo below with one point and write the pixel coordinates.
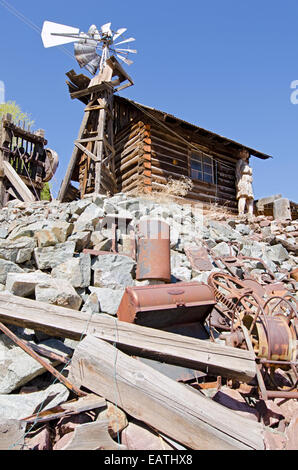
(197, 156)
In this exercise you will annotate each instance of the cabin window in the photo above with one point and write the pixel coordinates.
(201, 168)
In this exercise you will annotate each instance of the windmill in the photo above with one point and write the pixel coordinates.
(87, 45)
(92, 162)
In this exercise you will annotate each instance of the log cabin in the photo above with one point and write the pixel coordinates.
(152, 146)
(124, 146)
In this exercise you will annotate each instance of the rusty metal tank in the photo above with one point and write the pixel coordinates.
(163, 306)
(153, 251)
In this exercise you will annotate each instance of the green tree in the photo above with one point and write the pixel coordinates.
(14, 109)
(45, 194)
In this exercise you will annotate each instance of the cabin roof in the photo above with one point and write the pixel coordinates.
(171, 119)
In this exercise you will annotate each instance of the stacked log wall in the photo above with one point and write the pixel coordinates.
(133, 157)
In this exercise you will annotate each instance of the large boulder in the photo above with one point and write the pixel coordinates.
(8, 267)
(109, 299)
(23, 284)
(18, 251)
(58, 292)
(21, 406)
(88, 219)
(17, 368)
(76, 270)
(51, 256)
(113, 271)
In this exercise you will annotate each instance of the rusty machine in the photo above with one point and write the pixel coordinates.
(92, 163)
(25, 162)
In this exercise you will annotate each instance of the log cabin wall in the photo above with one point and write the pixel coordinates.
(152, 148)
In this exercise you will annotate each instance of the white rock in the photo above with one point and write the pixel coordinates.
(75, 270)
(58, 292)
(109, 299)
(16, 406)
(23, 284)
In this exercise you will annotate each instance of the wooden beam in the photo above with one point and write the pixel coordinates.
(179, 412)
(17, 182)
(145, 342)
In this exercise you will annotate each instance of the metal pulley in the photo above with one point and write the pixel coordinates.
(273, 339)
(50, 165)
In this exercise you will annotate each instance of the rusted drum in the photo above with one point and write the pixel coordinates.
(153, 258)
(275, 339)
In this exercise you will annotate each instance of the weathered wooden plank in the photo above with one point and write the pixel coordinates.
(143, 341)
(17, 182)
(93, 436)
(170, 407)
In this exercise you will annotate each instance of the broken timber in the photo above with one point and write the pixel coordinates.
(134, 339)
(149, 396)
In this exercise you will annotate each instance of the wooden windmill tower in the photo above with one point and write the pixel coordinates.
(92, 162)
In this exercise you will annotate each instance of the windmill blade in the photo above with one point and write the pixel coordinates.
(51, 32)
(125, 60)
(118, 33)
(93, 65)
(106, 29)
(84, 53)
(126, 40)
(131, 51)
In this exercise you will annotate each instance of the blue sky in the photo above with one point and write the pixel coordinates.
(226, 66)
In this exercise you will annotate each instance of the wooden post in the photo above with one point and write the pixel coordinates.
(5, 140)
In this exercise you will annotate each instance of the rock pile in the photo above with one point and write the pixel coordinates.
(42, 258)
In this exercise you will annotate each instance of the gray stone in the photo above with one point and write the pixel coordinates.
(109, 299)
(78, 207)
(52, 256)
(58, 292)
(18, 251)
(81, 239)
(243, 229)
(8, 267)
(92, 304)
(223, 249)
(3, 232)
(27, 230)
(12, 434)
(221, 232)
(278, 253)
(203, 277)
(182, 273)
(21, 406)
(17, 368)
(88, 219)
(75, 270)
(282, 209)
(23, 284)
(252, 248)
(58, 232)
(114, 271)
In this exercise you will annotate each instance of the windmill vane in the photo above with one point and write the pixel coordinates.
(91, 49)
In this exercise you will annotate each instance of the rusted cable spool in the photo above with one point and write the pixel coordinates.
(274, 339)
(153, 247)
